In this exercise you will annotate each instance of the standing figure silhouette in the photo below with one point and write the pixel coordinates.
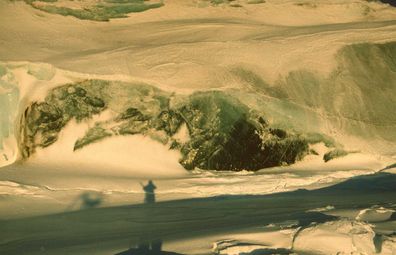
(149, 241)
(149, 190)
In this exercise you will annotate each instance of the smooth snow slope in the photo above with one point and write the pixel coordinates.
(198, 46)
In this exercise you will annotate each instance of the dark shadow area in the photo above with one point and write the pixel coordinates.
(90, 200)
(279, 251)
(143, 224)
(375, 183)
(140, 251)
(390, 2)
(389, 167)
(87, 200)
(149, 192)
(377, 240)
(393, 217)
(148, 243)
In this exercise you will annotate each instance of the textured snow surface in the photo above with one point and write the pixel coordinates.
(321, 66)
(375, 214)
(186, 46)
(343, 236)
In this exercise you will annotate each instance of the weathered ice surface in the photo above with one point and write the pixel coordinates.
(44, 120)
(336, 153)
(96, 10)
(329, 70)
(259, 126)
(223, 134)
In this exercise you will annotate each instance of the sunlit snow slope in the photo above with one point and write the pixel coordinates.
(223, 87)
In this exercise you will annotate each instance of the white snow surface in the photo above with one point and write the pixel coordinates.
(344, 236)
(186, 46)
(182, 47)
(375, 214)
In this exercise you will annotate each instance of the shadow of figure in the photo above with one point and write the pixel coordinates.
(87, 200)
(90, 200)
(149, 191)
(140, 251)
(148, 245)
